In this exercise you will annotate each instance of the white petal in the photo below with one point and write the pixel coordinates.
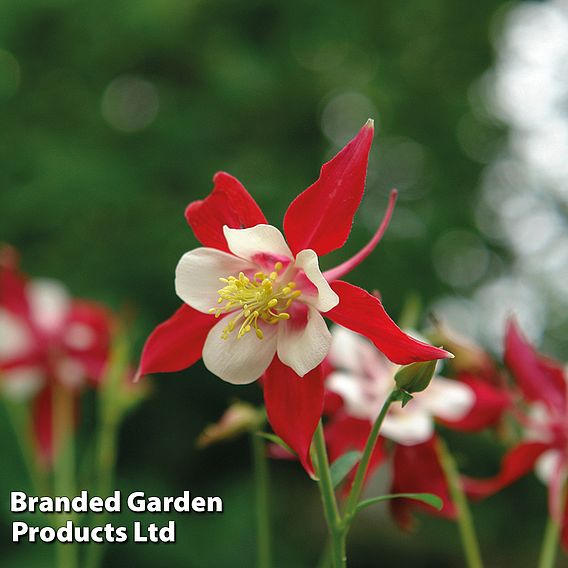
(303, 347)
(198, 273)
(349, 388)
(261, 239)
(49, 304)
(326, 298)
(21, 384)
(547, 465)
(447, 399)
(408, 427)
(15, 336)
(239, 361)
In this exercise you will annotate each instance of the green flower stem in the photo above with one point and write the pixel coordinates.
(465, 520)
(335, 526)
(64, 467)
(18, 414)
(262, 501)
(105, 461)
(357, 487)
(549, 544)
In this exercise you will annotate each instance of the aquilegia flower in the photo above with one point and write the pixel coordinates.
(543, 384)
(254, 299)
(47, 338)
(361, 378)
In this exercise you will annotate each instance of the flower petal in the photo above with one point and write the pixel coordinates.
(417, 469)
(320, 218)
(12, 284)
(350, 388)
(228, 204)
(448, 399)
(326, 298)
(256, 242)
(488, 408)
(49, 305)
(176, 343)
(303, 347)
(540, 378)
(359, 311)
(16, 337)
(517, 462)
(294, 406)
(239, 361)
(198, 273)
(408, 426)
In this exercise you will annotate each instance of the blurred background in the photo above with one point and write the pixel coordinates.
(116, 114)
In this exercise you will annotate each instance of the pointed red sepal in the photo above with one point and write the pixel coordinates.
(12, 284)
(540, 378)
(417, 469)
(320, 218)
(363, 313)
(228, 204)
(294, 406)
(176, 343)
(517, 462)
(487, 411)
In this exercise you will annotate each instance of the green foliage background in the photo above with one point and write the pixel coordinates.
(242, 86)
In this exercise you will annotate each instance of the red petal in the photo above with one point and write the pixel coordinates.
(294, 406)
(417, 469)
(540, 378)
(490, 403)
(516, 463)
(361, 312)
(12, 284)
(176, 343)
(228, 204)
(320, 218)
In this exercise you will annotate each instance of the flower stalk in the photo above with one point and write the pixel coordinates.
(260, 461)
(465, 520)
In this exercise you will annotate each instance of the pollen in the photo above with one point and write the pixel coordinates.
(253, 300)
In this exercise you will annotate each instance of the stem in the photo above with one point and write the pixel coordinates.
(357, 487)
(549, 544)
(262, 501)
(105, 461)
(18, 415)
(330, 509)
(465, 520)
(64, 466)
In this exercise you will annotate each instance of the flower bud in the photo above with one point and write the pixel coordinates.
(239, 418)
(415, 377)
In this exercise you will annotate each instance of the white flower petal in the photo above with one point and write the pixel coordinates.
(447, 399)
(239, 361)
(258, 240)
(303, 347)
(348, 387)
(21, 384)
(49, 304)
(326, 298)
(198, 273)
(547, 465)
(408, 426)
(15, 336)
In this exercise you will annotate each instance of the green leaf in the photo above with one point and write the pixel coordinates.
(342, 466)
(428, 498)
(277, 440)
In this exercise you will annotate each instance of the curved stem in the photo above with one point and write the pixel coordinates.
(262, 501)
(64, 466)
(465, 520)
(549, 548)
(334, 524)
(357, 487)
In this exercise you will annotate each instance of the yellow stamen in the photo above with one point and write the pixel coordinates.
(255, 300)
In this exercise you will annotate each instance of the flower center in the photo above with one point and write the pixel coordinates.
(259, 298)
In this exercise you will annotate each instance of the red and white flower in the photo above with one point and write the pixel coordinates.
(254, 297)
(543, 385)
(47, 337)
